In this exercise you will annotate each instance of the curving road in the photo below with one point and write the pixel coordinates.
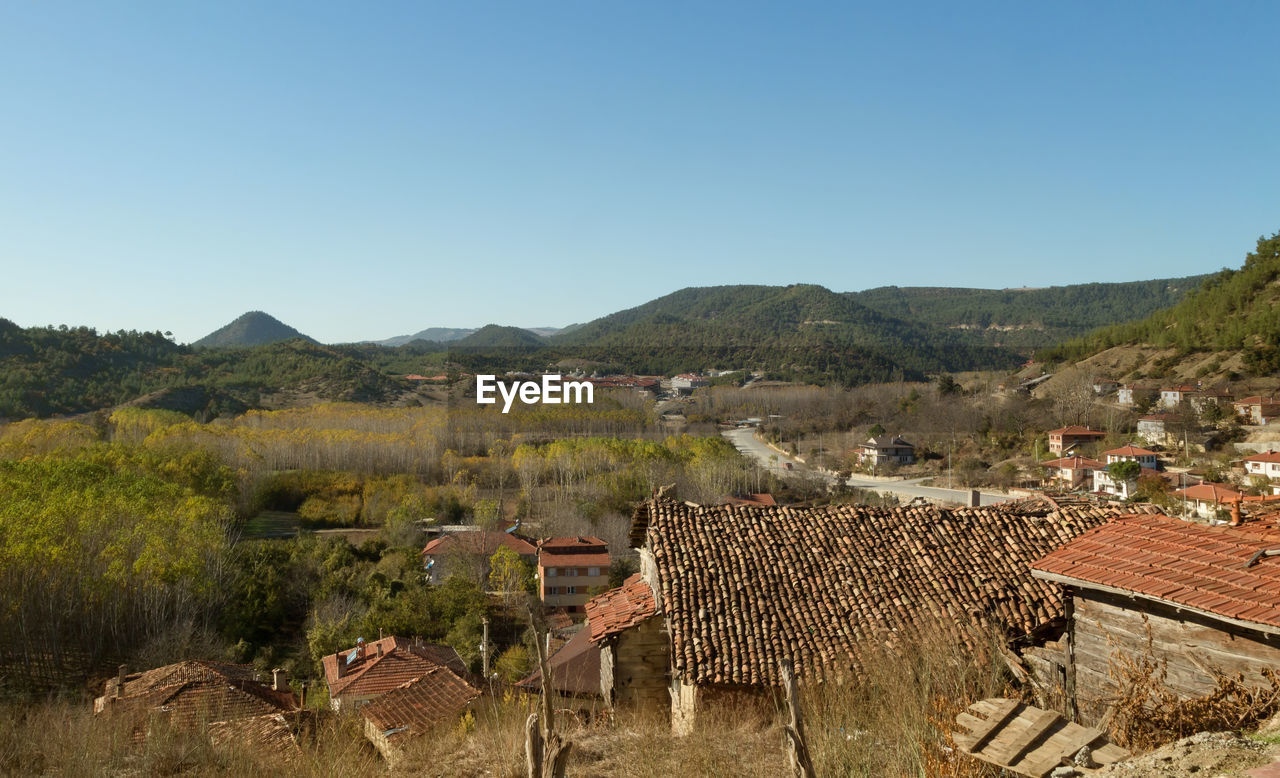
(749, 445)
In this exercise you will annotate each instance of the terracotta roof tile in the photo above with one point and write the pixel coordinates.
(575, 667)
(1184, 563)
(478, 542)
(402, 660)
(421, 703)
(197, 691)
(618, 609)
(741, 588)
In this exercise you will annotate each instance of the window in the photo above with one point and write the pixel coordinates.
(551, 572)
(593, 571)
(571, 590)
(571, 571)
(553, 590)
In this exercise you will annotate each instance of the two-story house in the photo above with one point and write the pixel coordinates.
(568, 568)
(1174, 396)
(1063, 440)
(1265, 464)
(1072, 472)
(1133, 454)
(886, 449)
(1257, 410)
(1132, 394)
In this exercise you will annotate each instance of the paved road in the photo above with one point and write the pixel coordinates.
(747, 443)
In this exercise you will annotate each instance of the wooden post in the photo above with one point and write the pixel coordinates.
(1069, 611)
(797, 749)
(546, 753)
(484, 649)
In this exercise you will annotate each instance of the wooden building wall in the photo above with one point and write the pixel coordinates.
(635, 666)
(1106, 624)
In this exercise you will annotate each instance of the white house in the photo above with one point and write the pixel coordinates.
(886, 449)
(1134, 454)
(1264, 464)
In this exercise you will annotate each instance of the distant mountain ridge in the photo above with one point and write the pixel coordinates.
(451, 334)
(254, 328)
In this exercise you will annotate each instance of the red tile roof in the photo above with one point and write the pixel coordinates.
(618, 609)
(575, 668)
(478, 542)
(752, 499)
(1269, 456)
(1187, 564)
(572, 544)
(199, 691)
(574, 560)
(420, 703)
(1074, 463)
(1207, 492)
(1129, 451)
(1078, 431)
(742, 588)
(402, 660)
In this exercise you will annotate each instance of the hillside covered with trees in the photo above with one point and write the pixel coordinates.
(1236, 311)
(1028, 319)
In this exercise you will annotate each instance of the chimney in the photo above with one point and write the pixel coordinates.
(121, 672)
(379, 649)
(341, 664)
(279, 681)
(1235, 513)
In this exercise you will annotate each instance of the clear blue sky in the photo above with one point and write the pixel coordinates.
(364, 170)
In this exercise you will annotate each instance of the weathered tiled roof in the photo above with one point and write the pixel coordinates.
(1269, 456)
(744, 587)
(618, 609)
(478, 542)
(402, 660)
(1184, 563)
(575, 668)
(422, 702)
(199, 691)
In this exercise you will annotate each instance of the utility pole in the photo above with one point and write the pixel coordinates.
(484, 648)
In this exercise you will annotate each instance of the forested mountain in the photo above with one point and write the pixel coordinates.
(46, 371)
(1233, 311)
(433, 334)
(1028, 319)
(801, 331)
(495, 336)
(254, 328)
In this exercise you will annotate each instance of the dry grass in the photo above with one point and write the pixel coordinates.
(891, 722)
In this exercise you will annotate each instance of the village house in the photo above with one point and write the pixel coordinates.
(1061, 441)
(1266, 464)
(1156, 429)
(1132, 394)
(228, 698)
(568, 568)
(1132, 453)
(1206, 397)
(467, 553)
(1104, 482)
(1196, 598)
(1257, 410)
(435, 698)
(1207, 500)
(685, 383)
(1072, 472)
(738, 590)
(1104, 386)
(363, 673)
(1173, 396)
(886, 450)
(631, 639)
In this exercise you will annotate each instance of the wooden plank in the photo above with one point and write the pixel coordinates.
(1059, 747)
(1000, 712)
(1041, 724)
(1110, 753)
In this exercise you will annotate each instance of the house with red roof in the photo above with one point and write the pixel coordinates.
(1155, 429)
(369, 670)
(438, 697)
(468, 553)
(575, 670)
(1208, 500)
(568, 568)
(1072, 472)
(1199, 599)
(1067, 438)
(1265, 464)
(1132, 453)
(625, 626)
(197, 691)
(1257, 410)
